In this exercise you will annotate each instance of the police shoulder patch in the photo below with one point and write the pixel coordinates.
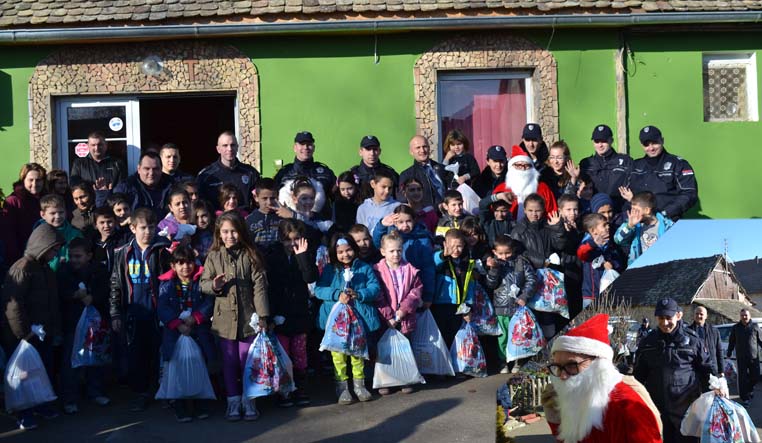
(667, 165)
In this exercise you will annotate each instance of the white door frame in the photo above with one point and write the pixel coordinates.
(132, 126)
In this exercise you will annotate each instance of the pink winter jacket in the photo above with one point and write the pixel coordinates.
(408, 301)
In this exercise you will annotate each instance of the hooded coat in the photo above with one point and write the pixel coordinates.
(30, 294)
(408, 301)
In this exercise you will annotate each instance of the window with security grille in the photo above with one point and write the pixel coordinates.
(730, 88)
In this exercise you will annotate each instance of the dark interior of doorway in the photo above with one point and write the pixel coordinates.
(193, 123)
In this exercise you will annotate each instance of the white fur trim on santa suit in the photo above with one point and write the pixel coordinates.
(285, 197)
(583, 345)
(519, 155)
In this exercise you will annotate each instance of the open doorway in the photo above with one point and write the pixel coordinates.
(192, 122)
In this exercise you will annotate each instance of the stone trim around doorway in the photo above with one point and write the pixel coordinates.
(115, 69)
(483, 51)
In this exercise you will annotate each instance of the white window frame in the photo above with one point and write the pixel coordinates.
(132, 125)
(749, 62)
(487, 75)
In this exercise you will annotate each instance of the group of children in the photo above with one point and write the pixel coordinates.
(203, 272)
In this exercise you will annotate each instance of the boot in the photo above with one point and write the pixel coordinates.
(360, 391)
(300, 396)
(234, 408)
(342, 391)
(250, 412)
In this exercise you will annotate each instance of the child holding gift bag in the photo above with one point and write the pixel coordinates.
(234, 275)
(185, 311)
(401, 290)
(348, 281)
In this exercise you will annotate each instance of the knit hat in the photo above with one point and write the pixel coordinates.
(590, 338)
(519, 155)
(599, 200)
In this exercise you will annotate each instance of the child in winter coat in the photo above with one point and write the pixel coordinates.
(230, 199)
(381, 204)
(83, 196)
(263, 222)
(185, 310)
(347, 197)
(30, 297)
(453, 212)
(365, 248)
(597, 253)
(53, 213)
(361, 293)
(133, 301)
(401, 290)
(234, 274)
(513, 280)
(417, 246)
(455, 274)
(495, 217)
(177, 226)
(457, 149)
(107, 237)
(81, 269)
(290, 268)
(643, 226)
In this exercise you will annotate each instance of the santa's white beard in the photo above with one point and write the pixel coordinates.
(583, 398)
(522, 182)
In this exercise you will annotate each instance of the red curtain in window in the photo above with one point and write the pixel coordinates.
(497, 120)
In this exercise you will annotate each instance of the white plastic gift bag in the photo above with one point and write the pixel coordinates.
(395, 364)
(26, 381)
(429, 348)
(185, 375)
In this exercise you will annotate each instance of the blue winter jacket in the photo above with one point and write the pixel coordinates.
(418, 249)
(447, 285)
(364, 283)
(625, 234)
(587, 252)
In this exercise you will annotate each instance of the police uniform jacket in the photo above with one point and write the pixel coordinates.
(312, 169)
(675, 370)
(671, 180)
(608, 172)
(242, 176)
(366, 173)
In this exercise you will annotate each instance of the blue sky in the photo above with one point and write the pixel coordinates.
(702, 238)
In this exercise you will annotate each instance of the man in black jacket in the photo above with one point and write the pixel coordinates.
(148, 187)
(98, 168)
(711, 337)
(745, 339)
(227, 170)
(431, 174)
(674, 367)
(370, 153)
(607, 168)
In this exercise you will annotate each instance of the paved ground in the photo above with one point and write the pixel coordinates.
(441, 411)
(539, 432)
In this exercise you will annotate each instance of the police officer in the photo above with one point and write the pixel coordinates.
(533, 144)
(370, 155)
(668, 177)
(304, 164)
(227, 169)
(674, 367)
(607, 168)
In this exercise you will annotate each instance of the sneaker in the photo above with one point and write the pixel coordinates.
(505, 370)
(181, 412)
(139, 403)
(515, 369)
(250, 411)
(102, 400)
(46, 411)
(384, 391)
(70, 408)
(26, 421)
(233, 412)
(201, 409)
(285, 401)
(300, 397)
(407, 390)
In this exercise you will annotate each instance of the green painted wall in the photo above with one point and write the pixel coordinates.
(16, 68)
(332, 86)
(665, 88)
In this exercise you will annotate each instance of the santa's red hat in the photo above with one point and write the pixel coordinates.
(590, 338)
(519, 155)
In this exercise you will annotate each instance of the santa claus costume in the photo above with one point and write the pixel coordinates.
(524, 182)
(598, 405)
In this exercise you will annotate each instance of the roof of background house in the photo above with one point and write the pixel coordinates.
(749, 272)
(42, 13)
(679, 279)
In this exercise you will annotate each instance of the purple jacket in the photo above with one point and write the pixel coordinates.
(408, 301)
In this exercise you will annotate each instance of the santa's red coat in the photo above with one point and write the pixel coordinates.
(627, 419)
(542, 189)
